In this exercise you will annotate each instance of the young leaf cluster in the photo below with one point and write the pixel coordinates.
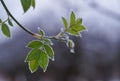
(5, 27)
(75, 26)
(27, 3)
(40, 53)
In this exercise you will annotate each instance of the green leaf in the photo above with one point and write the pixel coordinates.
(0, 21)
(33, 3)
(73, 32)
(41, 32)
(26, 4)
(33, 54)
(78, 28)
(78, 21)
(10, 23)
(72, 18)
(47, 41)
(5, 30)
(70, 44)
(35, 44)
(49, 51)
(43, 61)
(33, 65)
(65, 22)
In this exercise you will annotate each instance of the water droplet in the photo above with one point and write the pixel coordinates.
(53, 59)
(62, 29)
(51, 43)
(72, 50)
(39, 28)
(80, 35)
(67, 37)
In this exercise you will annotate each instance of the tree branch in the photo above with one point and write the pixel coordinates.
(21, 26)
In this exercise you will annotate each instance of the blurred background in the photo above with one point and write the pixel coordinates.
(97, 52)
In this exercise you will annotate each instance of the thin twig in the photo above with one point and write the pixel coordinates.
(8, 12)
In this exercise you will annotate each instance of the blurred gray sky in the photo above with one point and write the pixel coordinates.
(55, 9)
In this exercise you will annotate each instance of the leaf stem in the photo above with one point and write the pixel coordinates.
(6, 19)
(21, 26)
(61, 33)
